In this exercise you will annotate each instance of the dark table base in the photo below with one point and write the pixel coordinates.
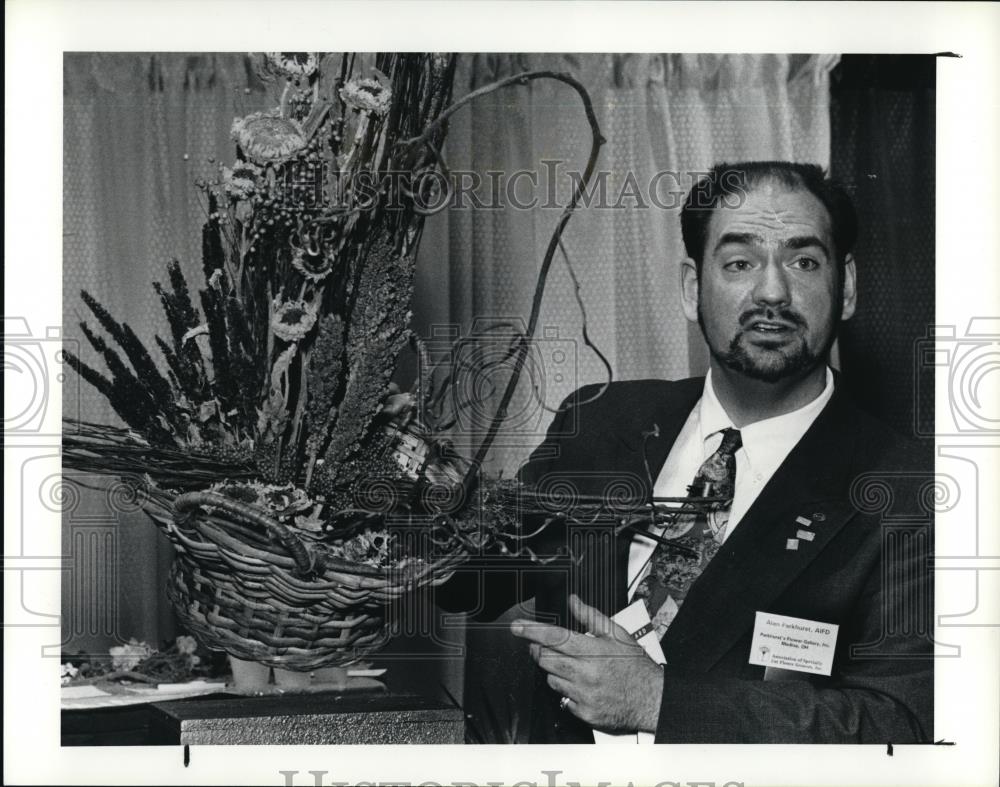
(298, 719)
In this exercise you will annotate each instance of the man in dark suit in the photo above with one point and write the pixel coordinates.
(799, 529)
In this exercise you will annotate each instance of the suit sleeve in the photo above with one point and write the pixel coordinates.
(881, 692)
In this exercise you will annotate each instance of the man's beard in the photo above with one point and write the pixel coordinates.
(774, 364)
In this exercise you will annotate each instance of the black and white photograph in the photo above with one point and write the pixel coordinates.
(557, 396)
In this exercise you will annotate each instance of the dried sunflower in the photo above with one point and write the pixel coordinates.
(268, 137)
(368, 95)
(293, 320)
(293, 64)
(314, 267)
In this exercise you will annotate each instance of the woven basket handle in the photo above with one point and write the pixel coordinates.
(185, 504)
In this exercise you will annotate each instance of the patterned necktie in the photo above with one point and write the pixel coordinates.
(693, 538)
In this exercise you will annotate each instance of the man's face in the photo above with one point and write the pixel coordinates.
(769, 296)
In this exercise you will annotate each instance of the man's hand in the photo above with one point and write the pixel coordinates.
(609, 680)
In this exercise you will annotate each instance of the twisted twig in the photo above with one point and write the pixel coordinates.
(524, 342)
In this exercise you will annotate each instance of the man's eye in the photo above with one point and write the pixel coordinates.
(737, 265)
(805, 263)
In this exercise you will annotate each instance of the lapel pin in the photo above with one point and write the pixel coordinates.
(819, 517)
(801, 520)
(805, 535)
(792, 544)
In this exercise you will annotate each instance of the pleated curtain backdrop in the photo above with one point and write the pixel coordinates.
(140, 128)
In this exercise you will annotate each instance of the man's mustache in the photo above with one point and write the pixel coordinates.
(787, 316)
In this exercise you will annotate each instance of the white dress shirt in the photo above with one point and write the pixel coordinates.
(765, 445)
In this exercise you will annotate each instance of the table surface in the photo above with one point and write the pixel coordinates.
(233, 707)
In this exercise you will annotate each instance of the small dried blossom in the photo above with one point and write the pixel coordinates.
(314, 267)
(285, 499)
(368, 95)
(293, 320)
(268, 138)
(186, 645)
(369, 547)
(240, 182)
(399, 406)
(277, 499)
(130, 655)
(293, 64)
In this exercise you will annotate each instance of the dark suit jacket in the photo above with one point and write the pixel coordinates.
(865, 491)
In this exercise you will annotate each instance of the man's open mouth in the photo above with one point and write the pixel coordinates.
(763, 326)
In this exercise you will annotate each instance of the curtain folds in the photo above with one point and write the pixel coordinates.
(138, 129)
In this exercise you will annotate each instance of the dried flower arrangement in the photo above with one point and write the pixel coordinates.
(302, 489)
(307, 289)
(138, 662)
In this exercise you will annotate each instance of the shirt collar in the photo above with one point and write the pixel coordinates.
(766, 442)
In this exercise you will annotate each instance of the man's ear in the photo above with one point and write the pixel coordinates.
(689, 289)
(850, 288)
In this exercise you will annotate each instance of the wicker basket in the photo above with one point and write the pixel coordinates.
(244, 583)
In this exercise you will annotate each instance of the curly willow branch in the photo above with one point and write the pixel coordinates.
(524, 342)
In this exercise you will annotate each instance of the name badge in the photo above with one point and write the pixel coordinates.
(793, 644)
(635, 620)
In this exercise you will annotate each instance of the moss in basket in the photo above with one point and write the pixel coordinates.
(280, 500)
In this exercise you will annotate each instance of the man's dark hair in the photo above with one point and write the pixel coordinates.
(727, 185)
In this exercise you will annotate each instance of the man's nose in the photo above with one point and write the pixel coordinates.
(772, 285)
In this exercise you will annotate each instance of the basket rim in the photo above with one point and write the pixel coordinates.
(336, 571)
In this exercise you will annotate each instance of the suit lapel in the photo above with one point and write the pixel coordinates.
(668, 422)
(665, 423)
(758, 561)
